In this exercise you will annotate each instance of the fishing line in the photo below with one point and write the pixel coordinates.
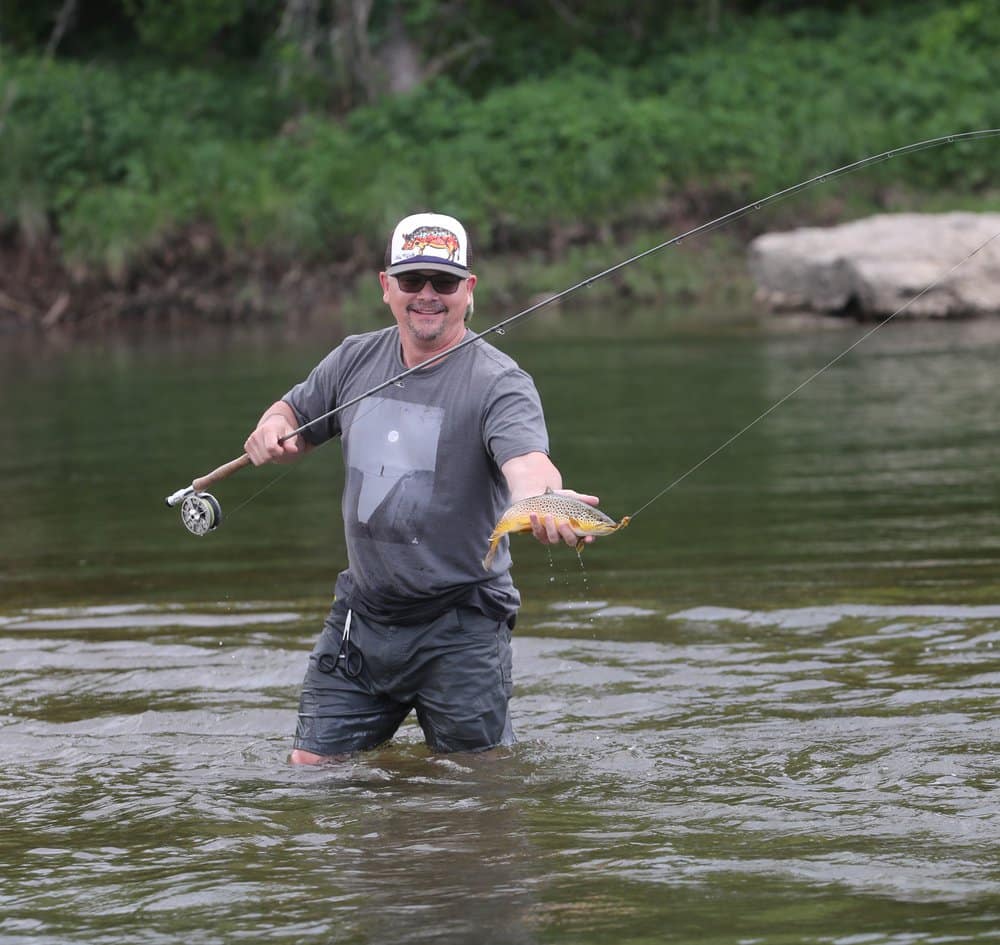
(201, 512)
(812, 377)
(259, 492)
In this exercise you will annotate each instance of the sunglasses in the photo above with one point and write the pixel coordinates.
(441, 282)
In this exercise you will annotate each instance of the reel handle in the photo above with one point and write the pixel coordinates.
(223, 472)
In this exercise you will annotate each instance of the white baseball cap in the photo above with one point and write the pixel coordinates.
(431, 241)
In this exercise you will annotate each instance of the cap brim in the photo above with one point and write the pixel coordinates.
(427, 263)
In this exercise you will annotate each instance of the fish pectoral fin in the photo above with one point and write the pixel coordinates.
(581, 544)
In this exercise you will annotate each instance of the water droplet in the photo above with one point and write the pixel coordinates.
(501, 331)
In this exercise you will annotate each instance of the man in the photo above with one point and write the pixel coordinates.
(431, 463)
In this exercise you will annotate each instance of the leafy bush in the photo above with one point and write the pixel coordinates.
(116, 156)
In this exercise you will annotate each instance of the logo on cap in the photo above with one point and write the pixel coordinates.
(432, 236)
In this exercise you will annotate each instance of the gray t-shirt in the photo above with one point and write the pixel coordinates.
(423, 484)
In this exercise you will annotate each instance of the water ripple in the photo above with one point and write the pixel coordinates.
(848, 750)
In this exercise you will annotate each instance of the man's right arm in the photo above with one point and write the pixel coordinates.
(277, 421)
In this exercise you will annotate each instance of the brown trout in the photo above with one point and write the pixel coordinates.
(584, 519)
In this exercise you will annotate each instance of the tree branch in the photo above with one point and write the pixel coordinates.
(456, 53)
(67, 14)
(567, 15)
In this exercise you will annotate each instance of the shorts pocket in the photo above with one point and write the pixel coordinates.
(505, 656)
(485, 629)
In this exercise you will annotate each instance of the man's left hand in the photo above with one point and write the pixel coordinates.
(550, 531)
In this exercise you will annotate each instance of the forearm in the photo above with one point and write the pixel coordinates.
(530, 474)
(279, 410)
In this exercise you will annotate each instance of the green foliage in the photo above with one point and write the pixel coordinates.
(94, 143)
(117, 156)
(972, 25)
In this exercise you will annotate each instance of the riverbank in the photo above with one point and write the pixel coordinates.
(194, 281)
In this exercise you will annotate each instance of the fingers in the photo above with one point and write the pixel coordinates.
(544, 529)
(264, 444)
(550, 531)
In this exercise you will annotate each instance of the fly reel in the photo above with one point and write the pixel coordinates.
(201, 513)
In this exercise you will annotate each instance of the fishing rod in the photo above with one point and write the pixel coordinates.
(201, 512)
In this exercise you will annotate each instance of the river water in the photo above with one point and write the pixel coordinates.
(766, 712)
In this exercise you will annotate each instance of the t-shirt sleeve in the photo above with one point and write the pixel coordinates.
(315, 396)
(514, 423)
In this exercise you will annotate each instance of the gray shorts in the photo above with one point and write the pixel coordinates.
(455, 671)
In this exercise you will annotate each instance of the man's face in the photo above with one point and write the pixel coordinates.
(431, 316)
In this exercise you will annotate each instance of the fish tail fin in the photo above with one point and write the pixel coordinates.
(491, 554)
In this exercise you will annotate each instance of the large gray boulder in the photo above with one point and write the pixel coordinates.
(874, 267)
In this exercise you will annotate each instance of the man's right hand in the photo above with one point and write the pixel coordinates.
(264, 446)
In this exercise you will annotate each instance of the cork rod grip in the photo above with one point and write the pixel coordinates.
(223, 472)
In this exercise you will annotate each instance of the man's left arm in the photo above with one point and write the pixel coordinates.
(531, 474)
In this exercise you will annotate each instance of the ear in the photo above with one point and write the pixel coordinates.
(470, 284)
(383, 279)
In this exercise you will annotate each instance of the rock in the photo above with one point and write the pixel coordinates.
(877, 266)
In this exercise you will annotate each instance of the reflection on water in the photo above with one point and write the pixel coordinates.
(764, 713)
